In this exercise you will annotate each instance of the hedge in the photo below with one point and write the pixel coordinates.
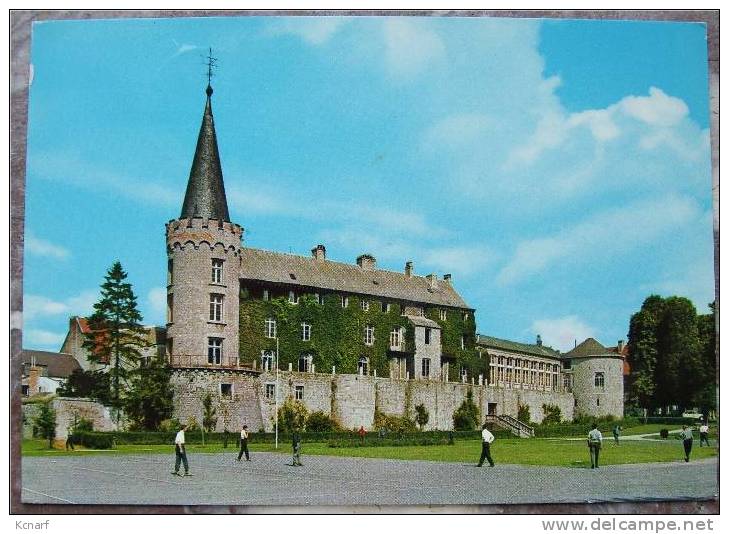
(434, 437)
(582, 427)
(94, 440)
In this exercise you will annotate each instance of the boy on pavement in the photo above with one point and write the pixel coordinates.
(244, 444)
(487, 438)
(594, 442)
(180, 453)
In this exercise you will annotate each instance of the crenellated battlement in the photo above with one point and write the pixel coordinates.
(198, 231)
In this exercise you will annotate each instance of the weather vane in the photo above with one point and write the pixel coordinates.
(211, 64)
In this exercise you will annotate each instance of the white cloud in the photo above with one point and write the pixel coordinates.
(458, 130)
(34, 337)
(157, 300)
(312, 30)
(561, 332)
(410, 46)
(459, 261)
(41, 247)
(658, 109)
(606, 235)
(40, 306)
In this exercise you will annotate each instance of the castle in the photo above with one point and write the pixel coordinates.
(346, 339)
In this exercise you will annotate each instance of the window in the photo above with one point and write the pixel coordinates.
(170, 307)
(216, 307)
(169, 347)
(170, 271)
(266, 295)
(464, 374)
(600, 380)
(215, 350)
(293, 297)
(365, 305)
(427, 336)
(363, 365)
(304, 363)
(345, 301)
(369, 335)
(465, 316)
(396, 338)
(598, 401)
(217, 273)
(443, 315)
(305, 331)
(226, 391)
(463, 342)
(270, 391)
(319, 298)
(385, 307)
(299, 392)
(266, 360)
(270, 328)
(425, 367)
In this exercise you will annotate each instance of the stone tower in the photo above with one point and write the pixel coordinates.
(203, 262)
(597, 379)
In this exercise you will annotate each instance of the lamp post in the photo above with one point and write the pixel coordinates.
(276, 394)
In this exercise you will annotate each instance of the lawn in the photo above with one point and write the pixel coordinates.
(508, 451)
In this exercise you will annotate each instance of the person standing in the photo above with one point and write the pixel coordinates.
(296, 444)
(180, 453)
(594, 442)
(704, 434)
(487, 438)
(688, 441)
(244, 444)
(361, 433)
(616, 434)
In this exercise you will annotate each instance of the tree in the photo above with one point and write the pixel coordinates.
(421, 416)
(552, 414)
(116, 335)
(467, 416)
(292, 416)
(705, 397)
(45, 422)
(90, 384)
(643, 350)
(523, 414)
(209, 418)
(148, 401)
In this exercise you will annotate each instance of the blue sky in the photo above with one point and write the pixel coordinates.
(559, 170)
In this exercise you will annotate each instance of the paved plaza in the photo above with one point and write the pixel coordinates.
(324, 480)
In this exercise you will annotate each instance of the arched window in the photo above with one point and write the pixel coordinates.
(305, 363)
(363, 365)
(267, 360)
(600, 380)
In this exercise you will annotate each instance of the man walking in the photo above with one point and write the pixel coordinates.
(688, 441)
(594, 442)
(296, 444)
(704, 434)
(616, 434)
(244, 444)
(487, 439)
(180, 453)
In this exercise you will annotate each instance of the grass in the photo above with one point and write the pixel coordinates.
(546, 452)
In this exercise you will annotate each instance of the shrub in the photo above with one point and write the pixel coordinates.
(292, 415)
(169, 425)
(394, 423)
(552, 414)
(209, 419)
(45, 423)
(83, 425)
(467, 416)
(664, 433)
(321, 422)
(421, 416)
(523, 414)
(95, 440)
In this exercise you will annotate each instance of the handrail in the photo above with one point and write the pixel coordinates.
(516, 426)
(201, 361)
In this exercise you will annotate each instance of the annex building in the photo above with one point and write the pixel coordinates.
(347, 339)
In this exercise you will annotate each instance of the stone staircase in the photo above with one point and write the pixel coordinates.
(511, 424)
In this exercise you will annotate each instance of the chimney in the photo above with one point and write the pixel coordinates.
(319, 253)
(447, 278)
(408, 269)
(367, 262)
(432, 282)
(621, 344)
(539, 340)
(33, 375)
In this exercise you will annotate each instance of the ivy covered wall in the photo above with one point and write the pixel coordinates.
(337, 333)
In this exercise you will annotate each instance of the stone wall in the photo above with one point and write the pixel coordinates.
(350, 399)
(593, 400)
(68, 411)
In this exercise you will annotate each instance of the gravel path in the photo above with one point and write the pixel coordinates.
(267, 480)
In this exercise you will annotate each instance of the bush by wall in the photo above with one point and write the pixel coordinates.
(94, 440)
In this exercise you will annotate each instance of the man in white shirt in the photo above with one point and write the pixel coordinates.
(486, 439)
(594, 442)
(244, 444)
(704, 434)
(180, 453)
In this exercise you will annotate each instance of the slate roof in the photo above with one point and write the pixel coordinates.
(205, 194)
(290, 269)
(590, 348)
(58, 364)
(513, 346)
(417, 320)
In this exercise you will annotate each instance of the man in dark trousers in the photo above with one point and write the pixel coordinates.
(244, 444)
(180, 453)
(296, 444)
(594, 443)
(704, 434)
(487, 439)
(688, 441)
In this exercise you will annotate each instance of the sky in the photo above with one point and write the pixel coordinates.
(559, 170)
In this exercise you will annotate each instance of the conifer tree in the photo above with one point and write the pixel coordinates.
(116, 335)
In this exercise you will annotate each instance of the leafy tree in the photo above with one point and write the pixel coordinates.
(394, 423)
(209, 418)
(523, 414)
(467, 416)
(643, 350)
(292, 416)
(45, 422)
(148, 400)
(552, 414)
(705, 397)
(421, 416)
(116, 333)
(90, 384)
(321, 422)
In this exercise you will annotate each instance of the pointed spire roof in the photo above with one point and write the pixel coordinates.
(589, 349)
(205, 195)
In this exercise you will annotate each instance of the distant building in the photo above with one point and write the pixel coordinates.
(45, 372)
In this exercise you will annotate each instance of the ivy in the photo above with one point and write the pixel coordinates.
(337, 334)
